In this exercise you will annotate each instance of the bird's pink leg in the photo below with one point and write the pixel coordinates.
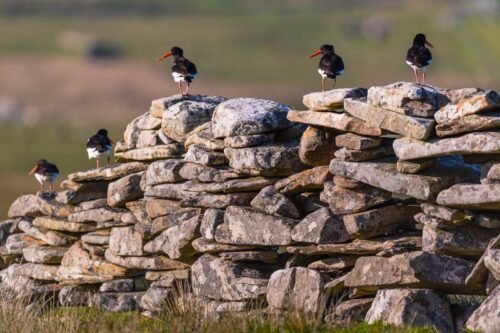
(423, 76)
(97, 162)
(41, 187)
(108, 161)
(180, 88)
(322, 84)
(416, 75)
(334, 83)
(50, 187)
(187, 88)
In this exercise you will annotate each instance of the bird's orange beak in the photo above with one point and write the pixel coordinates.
(166, 55)
(428, 44)
(33, 170)
(315, 54)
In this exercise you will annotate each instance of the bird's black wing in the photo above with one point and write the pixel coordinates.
(51, 168)
(337, 65)
(191, 68)
(99, 142)
(411, 55)
(424, 57)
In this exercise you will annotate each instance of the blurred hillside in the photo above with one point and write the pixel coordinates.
(70, 67)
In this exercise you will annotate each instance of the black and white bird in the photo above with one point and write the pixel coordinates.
(330, 65)
(45, 172)
(418, 56)
(99, 145)
(183, 70)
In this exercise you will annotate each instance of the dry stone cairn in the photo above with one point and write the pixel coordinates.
(374, 204)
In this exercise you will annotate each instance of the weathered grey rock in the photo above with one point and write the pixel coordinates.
(364, 155)
(479, 274)
(433, 222)
(44, 254)
(413, 270)
(148, 122)
(126, 241)
(446, 213)
(219, 200)
(268, 257)
(249, 226)
(234, 185)
(494, 172)
(176, 240)
(406, 98)
(385, 176)
(220, 174)
(357, 142)
(414, 166)
(176, 275)
(220, 279)
(270, 201)
(277, 159)
(242, 141)
(93, 204)
(159, 106)
(173, 150)
(120, 285)
(202, 155)
(487, 317)
(73, 296)
(476, 103)
(158, 263)
(148, 138)
(472, 143)
(346, 183)
(202, 135)
(99, 237)
(117, 302)
(350, 312)
(471, 123)
(166, 171)
(185, 116)
(49, 237)
(317, 146)
(297, 288)
(464, 241)
(212, 218)
(247, 116)
(332, 99)
(411, 307)
(380, 221)
(492, 262)
(58, 224)
(78, 266)
(320, 227)
(156, 299)
(347, 201)
(97, 215)
(333, 265)
(16, 243)
(35, 205)
(38, 271)
(124, 190)
(161, 207)
(413, 127)
(338, 121)
(473, 196)
(311, 179)
(204, 245)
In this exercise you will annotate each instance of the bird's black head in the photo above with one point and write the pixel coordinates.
(102, 132)
(41, 162)
(177, 51)
(327, 48)
(421, 40)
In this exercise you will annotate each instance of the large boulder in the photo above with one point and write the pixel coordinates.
(246, 116)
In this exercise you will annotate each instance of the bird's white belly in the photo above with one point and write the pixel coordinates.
(94, 153)
(415, 67)
(178, 77)
(46, 178)
(321, 72)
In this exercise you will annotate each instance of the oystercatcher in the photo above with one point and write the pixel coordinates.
(183, 70)
(330, 66)
(99, 145)
(419, 56)
(45, 172)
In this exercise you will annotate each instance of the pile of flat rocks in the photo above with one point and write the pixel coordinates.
(373, 205)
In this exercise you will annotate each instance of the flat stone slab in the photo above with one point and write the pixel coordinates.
(247, 116)
(158, 106)
(50, 237)
(317, 146)
(243, 141)
(63, 225)
(338, 121)
(230, 186)
(353, 155)
(307, 180)
(321, 227)
(173, 150)
(202, 135)
(414, 166)
(268, 257)
(471, 196)
(358, 142)
(473, 104)
(270, 201)
(471, 123)
(494, 172)
(468, 144)
(97, 215)
(487, 317)
(156, 263)
(247, 226)
(379, 221)
(406, 98)
(204, 245)
(200, 154)
(166, 171)
(412, 270)
(108, 173)
(384, 175)
(44, 254)
(347, 201)
(31, 205)
(331, 99)
(414, 127)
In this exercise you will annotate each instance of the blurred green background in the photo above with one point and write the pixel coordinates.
(68, 68)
